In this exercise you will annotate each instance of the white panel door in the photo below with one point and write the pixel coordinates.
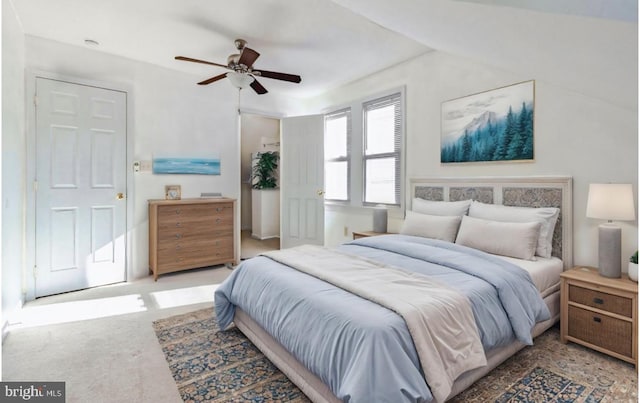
(80, 186)
(302, 181)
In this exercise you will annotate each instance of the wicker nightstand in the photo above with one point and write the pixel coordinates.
(600, 313)
(364, 234)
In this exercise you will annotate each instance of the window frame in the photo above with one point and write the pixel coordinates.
(337, 114)
(356, 166)
(394, 98)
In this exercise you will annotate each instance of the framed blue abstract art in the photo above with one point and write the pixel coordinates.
(200, 166)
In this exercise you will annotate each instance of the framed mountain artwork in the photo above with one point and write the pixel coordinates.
(495, 125)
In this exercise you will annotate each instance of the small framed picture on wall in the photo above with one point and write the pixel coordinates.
(172, 192)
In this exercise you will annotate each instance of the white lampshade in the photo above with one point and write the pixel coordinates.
(611, 201)
(239, 80)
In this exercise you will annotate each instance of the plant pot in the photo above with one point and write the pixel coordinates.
(633, 271)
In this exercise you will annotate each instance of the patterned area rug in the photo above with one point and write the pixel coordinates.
(213, 366)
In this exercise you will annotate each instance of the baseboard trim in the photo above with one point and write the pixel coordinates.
(5, 330)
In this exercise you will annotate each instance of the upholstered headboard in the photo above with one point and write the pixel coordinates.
(543, 191)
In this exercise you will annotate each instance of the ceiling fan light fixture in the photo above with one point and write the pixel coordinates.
(239, 80)
(241, 70)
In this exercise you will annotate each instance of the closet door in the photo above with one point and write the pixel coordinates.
(80, 186)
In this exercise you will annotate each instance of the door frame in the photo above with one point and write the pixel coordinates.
(28, 272)
(238, 218)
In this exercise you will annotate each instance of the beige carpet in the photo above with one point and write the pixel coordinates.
(250, 247)
(101, 342)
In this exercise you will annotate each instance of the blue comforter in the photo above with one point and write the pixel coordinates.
(362, 350)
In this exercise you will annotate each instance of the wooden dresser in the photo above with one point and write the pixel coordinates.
(600, 313)
(189, 233)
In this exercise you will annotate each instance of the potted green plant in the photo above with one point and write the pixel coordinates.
(265, 196)
(633, 267)
(265, 171)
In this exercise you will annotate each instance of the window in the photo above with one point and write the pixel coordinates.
(364, 155)
(382, 150)
(337, 137)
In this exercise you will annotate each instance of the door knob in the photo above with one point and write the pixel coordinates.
(320, 192)
(120, 196)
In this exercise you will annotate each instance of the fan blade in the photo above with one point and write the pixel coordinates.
(258, 88)
(248, 57)
(189, 59)
(213, 79)
(279, 76)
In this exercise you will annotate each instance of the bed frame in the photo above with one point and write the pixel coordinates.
(548, 191)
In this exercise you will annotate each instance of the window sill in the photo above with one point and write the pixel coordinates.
(393, 212)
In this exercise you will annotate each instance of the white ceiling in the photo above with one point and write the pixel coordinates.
(319, 40)
(581, 48)
(332, 42)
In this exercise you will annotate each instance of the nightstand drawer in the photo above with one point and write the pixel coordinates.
(601, 300)
(610, 333)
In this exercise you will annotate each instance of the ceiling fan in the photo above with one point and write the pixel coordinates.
(242, 73)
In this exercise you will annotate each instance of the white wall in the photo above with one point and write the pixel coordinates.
(587, 138)
(170, 115)
(13, 161)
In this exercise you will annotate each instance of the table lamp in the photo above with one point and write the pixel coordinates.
(612, 202)
(380, 219)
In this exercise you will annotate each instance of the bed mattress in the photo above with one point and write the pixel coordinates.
(545, 272)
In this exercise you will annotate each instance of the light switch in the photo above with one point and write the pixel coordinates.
(146, 166)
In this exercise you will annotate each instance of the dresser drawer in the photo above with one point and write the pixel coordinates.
(196, 254)
(601, 300)
(195, 212)
(202, 229)
(186, 224)
(173, 213)
(601, 330)
(195, 244)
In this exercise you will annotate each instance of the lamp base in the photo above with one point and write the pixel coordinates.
(380, 220)
(609, 261)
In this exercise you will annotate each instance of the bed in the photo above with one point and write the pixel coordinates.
(339, 346)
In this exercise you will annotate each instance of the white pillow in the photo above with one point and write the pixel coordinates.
(423, 206)
(431, 226)
(513, 239)
(546, 216)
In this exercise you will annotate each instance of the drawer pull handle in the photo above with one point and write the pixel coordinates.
(178, 224)
(178, 211)
(178, 236)
(219, 209)
(218, 221)
(597, 319)
(599, 301)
